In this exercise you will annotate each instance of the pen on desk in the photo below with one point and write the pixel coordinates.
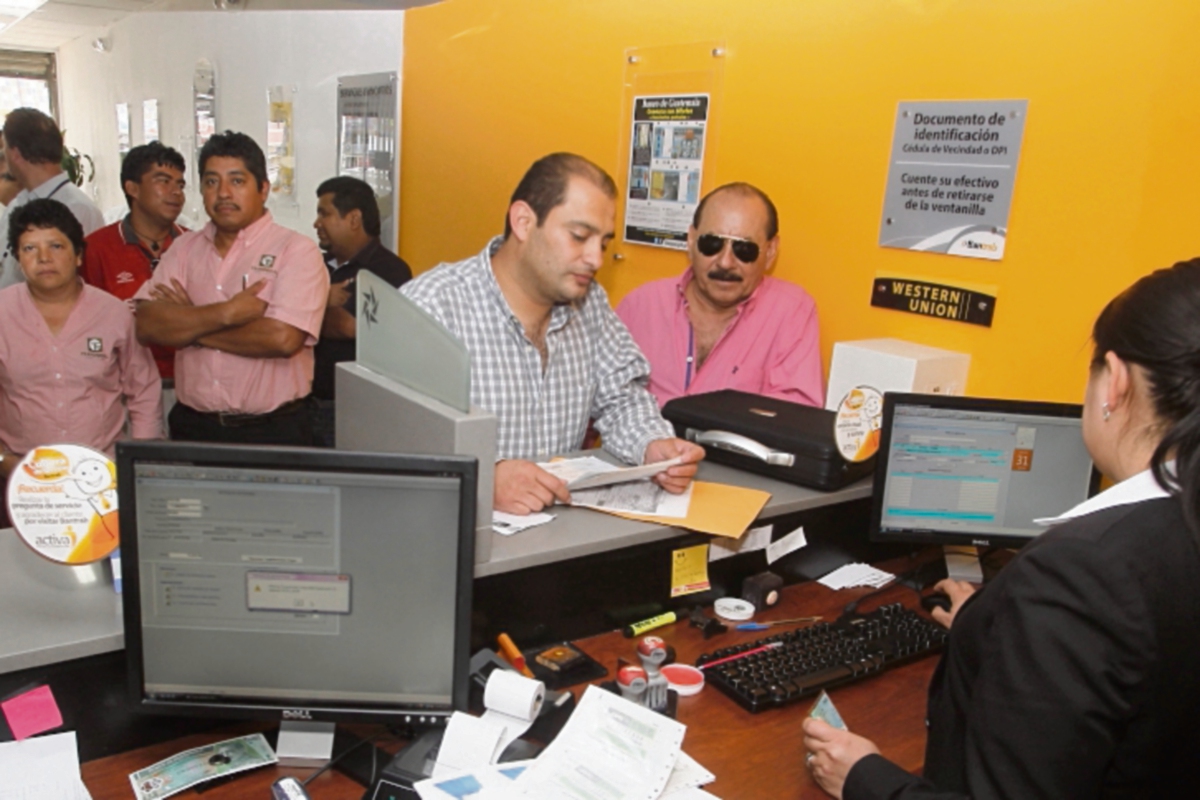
(762, 626)
(736, 656)
(510, 652)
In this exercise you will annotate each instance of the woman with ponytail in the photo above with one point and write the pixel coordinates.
(1076, 672)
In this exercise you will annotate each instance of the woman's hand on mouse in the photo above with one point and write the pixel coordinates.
(958, 592)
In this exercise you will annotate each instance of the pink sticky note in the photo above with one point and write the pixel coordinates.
(31, 713)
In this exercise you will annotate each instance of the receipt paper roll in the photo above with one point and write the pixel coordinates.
(513, 700)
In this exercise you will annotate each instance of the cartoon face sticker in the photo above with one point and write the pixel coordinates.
(873, 406)
(91, 476)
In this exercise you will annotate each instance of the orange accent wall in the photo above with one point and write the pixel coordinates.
(1107, 189)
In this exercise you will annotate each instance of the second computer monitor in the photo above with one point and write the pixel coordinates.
(297, 584)
(972, 471)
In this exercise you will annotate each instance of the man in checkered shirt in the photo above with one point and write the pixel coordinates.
(547, 351)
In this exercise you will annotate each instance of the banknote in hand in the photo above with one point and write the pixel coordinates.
(824, 710)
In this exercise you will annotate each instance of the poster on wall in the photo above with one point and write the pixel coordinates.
(149, 121)
(124, 145)
(281, 154)
(367, 114)
(951, 177)
(204, 101)
(666, 158)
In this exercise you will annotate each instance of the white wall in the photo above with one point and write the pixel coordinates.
(154, 56)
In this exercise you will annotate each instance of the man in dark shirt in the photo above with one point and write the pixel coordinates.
(347, 227)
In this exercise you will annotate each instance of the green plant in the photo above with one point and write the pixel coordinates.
(79, 166)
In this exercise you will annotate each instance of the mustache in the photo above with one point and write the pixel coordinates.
(720, 274)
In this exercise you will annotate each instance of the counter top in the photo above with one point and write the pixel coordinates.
(51, 613)
(577, 532)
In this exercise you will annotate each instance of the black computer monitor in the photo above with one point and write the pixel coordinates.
(973, 471)
(287, 583)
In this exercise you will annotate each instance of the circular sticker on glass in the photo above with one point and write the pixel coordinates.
(859, 418)
(62, 500)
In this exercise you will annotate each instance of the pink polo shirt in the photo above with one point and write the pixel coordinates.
(74, 387)
(296, 291)
(771, 347)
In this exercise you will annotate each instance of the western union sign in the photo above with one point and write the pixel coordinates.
(938, 300)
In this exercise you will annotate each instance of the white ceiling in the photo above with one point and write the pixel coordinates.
(61, 21)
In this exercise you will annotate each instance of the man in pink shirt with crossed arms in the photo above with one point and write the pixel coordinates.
(723, 324)
(242, 299)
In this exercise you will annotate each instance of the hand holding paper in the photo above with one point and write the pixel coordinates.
(689, 455)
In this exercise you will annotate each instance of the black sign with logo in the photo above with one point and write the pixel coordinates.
(934, 300)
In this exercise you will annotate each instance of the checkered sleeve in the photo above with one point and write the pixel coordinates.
(625, 413)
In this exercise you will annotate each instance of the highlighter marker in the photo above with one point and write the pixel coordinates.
(638, 628)
(509, 650)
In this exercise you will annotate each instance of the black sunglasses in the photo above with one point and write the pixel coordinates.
(743, 250)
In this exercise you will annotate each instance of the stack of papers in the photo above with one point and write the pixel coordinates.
(41, 768)
(508, 524)
(852, 575)
(610, 748)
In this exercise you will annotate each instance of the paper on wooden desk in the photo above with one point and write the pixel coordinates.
(716, 508)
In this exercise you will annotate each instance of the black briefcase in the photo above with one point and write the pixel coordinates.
(786, 441)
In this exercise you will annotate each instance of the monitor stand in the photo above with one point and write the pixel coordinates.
(962, 563)
(314, 745)
(305, 744)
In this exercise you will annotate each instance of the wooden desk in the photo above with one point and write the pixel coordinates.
(753, 756)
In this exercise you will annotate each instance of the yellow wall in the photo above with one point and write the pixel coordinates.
(1108, 185)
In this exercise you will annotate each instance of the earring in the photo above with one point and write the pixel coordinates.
(1105, 412)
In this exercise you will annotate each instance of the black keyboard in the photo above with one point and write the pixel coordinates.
(807, 660)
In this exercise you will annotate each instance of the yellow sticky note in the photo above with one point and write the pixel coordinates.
(689, 570)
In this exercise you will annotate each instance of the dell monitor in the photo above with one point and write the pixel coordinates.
(288, 583)
(972, 471)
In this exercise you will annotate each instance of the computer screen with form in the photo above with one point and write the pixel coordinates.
(956, 470)
(264, 580)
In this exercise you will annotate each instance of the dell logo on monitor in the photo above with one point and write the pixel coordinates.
(297, 713)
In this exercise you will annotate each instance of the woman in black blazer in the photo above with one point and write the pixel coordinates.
(1076, 674)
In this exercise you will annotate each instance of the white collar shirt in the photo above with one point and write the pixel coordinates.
(58, 188)
(1134, 489)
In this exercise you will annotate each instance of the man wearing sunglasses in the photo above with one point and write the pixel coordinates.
(547, 351)
(723, 324)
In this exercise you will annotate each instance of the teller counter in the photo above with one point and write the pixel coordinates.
(570, 578)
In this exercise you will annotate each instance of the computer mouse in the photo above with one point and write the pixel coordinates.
(936, 600)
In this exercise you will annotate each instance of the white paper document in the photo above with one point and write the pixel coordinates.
(589, 472)
(753, 540)
(610, 749)
(508, 524)
(851, 575)
(639, 497)
(469, 743)
(41, 768)
(786, 544)
(687, 774)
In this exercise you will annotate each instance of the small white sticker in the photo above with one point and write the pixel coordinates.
(754, 539)
(787, 544)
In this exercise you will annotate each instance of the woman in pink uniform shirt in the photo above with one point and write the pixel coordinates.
(70, 364)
